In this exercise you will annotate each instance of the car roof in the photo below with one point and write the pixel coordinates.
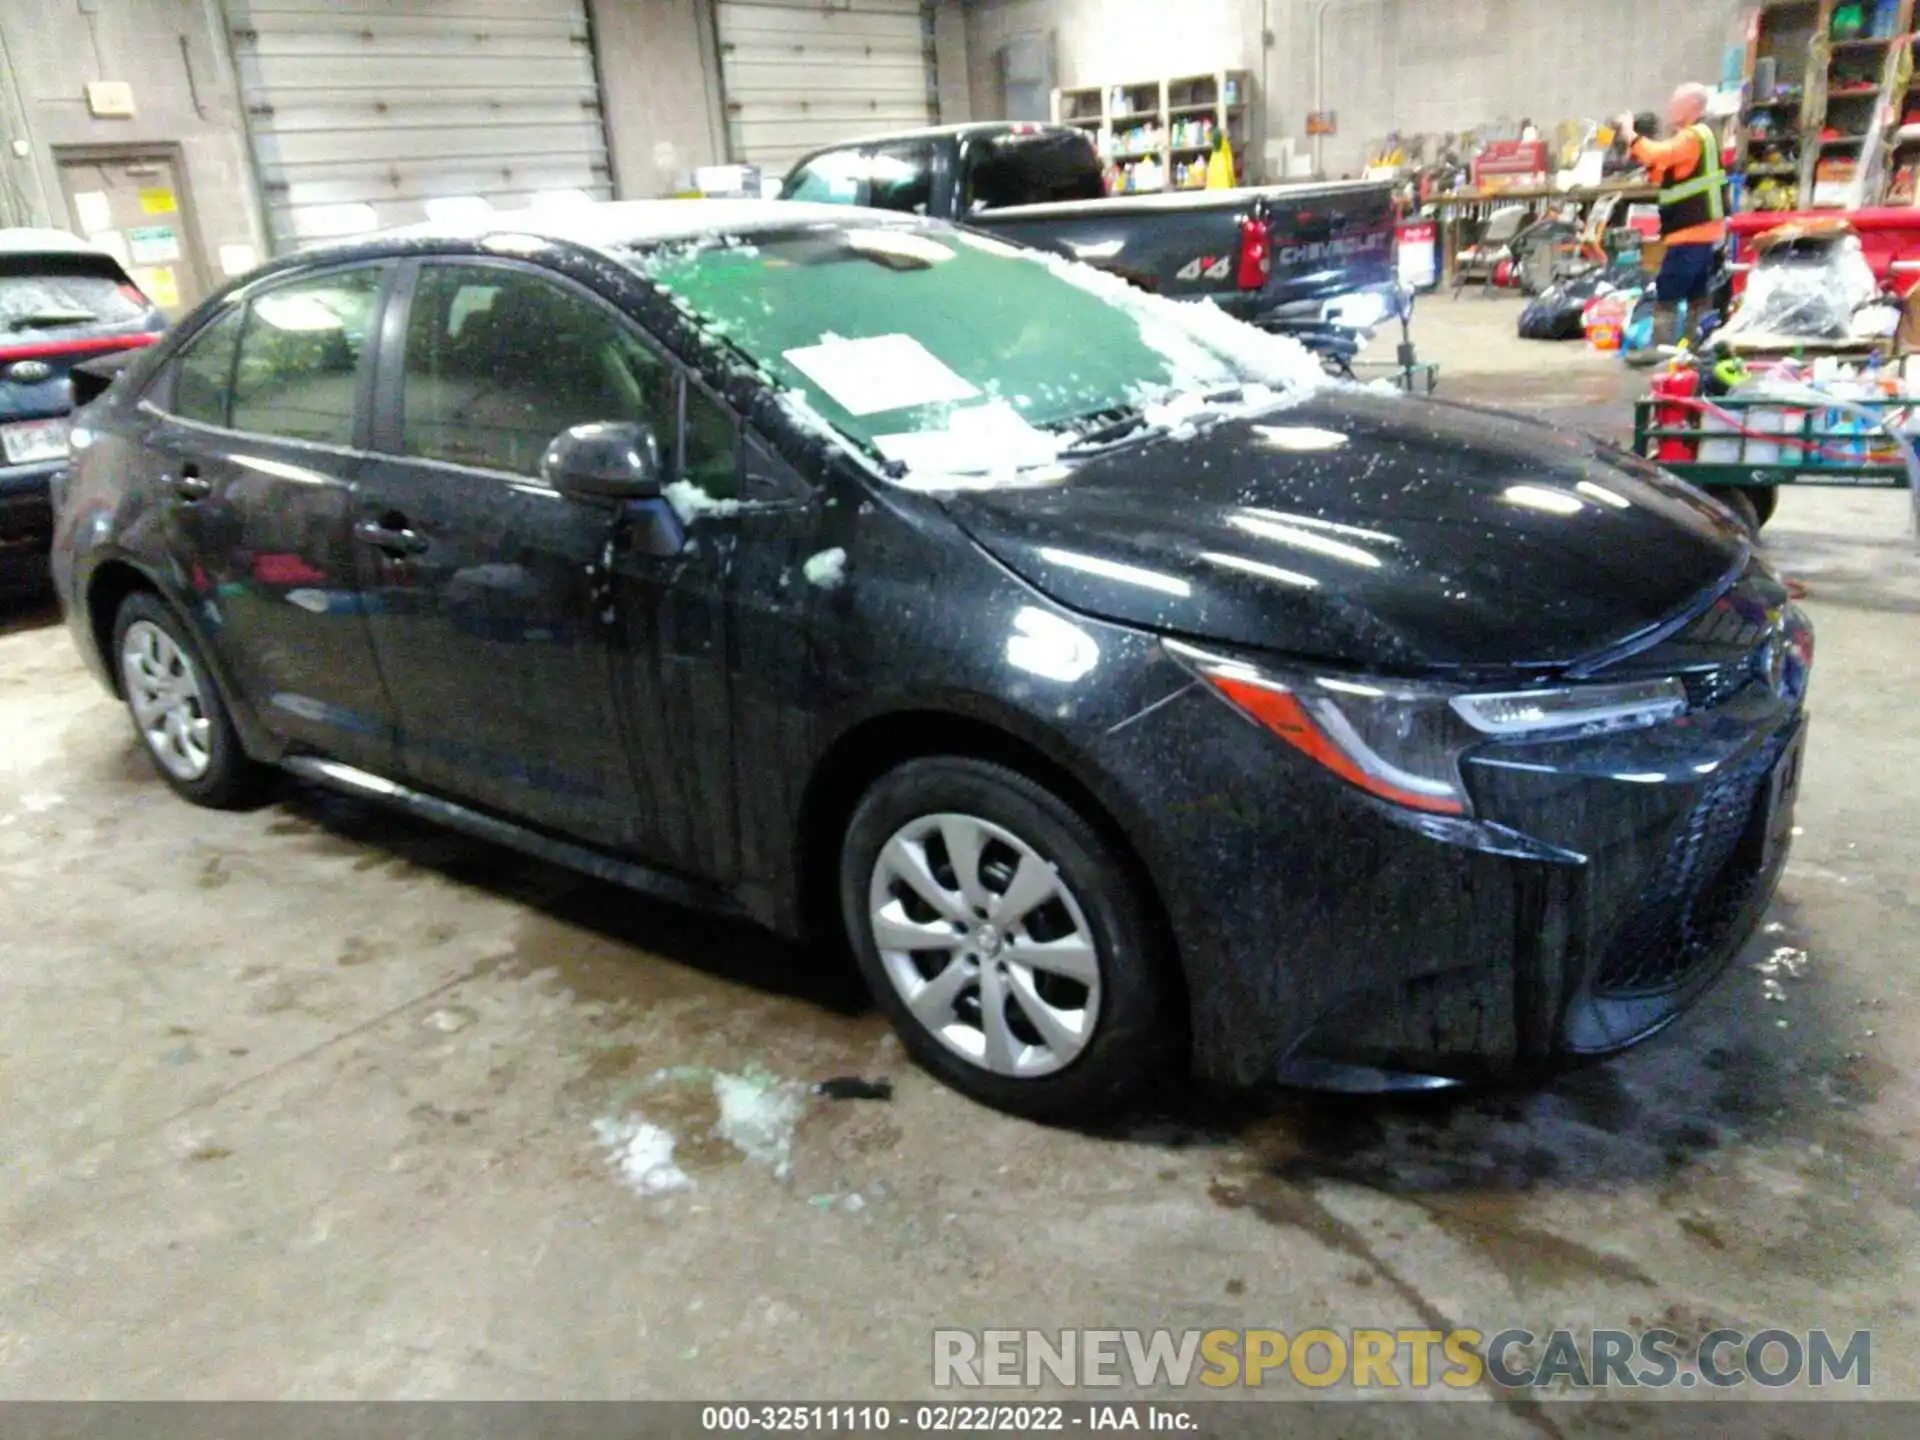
(617, 225)
(941, 132)
(31, 240)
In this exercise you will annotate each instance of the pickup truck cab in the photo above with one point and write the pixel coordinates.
(1315, 261)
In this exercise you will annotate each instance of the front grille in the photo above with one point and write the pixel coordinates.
(1692, 898)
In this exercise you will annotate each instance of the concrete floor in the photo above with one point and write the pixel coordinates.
(317, 1102)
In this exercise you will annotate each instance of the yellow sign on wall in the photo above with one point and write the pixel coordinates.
(159, 284)
(158, 202)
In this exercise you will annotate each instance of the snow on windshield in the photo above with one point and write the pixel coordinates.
(959, 361)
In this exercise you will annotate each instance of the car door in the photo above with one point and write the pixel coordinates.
(497, 624)
(254, 431)
(710, 595)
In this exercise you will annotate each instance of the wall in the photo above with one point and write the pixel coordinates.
(1411, 65)
(951, 62)
(1438, 65)
(173, 53)
(659, 85)
(1096, 41)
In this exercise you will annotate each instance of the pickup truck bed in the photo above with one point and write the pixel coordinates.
(1284, 257)
(1324, 240)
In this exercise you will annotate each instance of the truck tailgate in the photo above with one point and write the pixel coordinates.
(1327, 239)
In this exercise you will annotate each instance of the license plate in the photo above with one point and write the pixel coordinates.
(1782, 787)
(30, 440)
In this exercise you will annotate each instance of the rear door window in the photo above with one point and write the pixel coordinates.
(203, 371)
(1038, 169)
(300, 352)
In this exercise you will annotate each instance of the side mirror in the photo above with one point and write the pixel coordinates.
(606, 460)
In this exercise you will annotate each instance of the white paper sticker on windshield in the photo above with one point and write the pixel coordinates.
(886, 372)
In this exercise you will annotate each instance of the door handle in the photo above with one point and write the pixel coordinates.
(191, 485)
(392, 535)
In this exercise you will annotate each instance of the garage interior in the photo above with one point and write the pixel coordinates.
(316, 1101)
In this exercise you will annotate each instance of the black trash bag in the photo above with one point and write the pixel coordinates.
(1556, 314)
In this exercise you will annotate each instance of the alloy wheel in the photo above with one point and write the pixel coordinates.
(986, 944)
(163, 689)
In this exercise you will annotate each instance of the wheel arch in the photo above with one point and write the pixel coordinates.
(106, 589)
(871, 747)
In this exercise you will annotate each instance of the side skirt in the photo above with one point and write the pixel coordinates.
(350, 781)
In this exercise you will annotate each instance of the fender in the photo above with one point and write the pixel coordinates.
(259, 742)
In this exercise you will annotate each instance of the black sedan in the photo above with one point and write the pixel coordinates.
(1125, 694)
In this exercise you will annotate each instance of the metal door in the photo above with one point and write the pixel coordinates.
(799, 74)
(131, 204)
(362, 113)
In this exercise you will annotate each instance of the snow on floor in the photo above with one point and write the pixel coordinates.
(757, 1116)
(643, 1154)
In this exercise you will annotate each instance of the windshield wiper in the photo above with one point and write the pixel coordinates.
(1130, 429)
(47, 319)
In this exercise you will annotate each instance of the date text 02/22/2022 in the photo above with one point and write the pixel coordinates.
(945, 1419)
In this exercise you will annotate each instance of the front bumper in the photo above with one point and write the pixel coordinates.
(1335, 940)
(26, 523)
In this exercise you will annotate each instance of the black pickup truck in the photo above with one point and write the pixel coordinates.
(1312, 260)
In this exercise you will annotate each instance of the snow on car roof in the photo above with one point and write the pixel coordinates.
(620, 223)
(28, 240)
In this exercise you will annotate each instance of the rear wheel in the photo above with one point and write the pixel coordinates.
(177, 710)
(1766, 499)
(1006, 940)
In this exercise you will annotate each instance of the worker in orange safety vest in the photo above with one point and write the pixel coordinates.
(1693, 212)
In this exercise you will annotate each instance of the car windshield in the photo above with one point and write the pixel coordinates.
(950, 353)
(44, 293)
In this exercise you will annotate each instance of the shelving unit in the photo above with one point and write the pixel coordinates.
(1815, 101)
(1158, 134)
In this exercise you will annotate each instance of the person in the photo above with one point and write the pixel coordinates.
(1693, 211)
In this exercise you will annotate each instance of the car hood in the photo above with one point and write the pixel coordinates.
(1371, 530)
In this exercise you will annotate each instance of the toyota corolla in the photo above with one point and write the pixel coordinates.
(1121, 692)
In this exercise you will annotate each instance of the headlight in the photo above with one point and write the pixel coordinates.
(1576, 707)
(1403, 741)
(1361, 310)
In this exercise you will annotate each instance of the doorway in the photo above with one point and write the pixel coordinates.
(133, 203)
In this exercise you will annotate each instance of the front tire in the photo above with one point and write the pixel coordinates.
(177, 710)
(1007, 941)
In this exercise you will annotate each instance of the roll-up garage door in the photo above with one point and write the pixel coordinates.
(363, 111)
(799, 74)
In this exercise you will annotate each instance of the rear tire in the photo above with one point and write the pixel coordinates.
(177, 710)
(1736, 499)
(1039, 985)
(1766, 499)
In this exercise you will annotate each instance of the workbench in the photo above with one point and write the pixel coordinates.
(1463, 212)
